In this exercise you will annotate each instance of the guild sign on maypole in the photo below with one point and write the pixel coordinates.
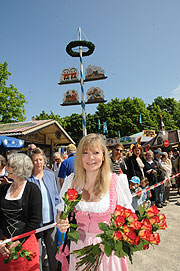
(92, 73)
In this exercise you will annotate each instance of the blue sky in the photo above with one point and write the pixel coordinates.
(137, 44)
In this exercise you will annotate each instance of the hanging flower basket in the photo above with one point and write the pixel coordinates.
(83, 43)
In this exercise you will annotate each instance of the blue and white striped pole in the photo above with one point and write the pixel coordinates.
(82, 89)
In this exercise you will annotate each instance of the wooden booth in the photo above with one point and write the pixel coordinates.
(46, 134)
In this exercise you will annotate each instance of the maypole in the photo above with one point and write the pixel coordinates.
(92, 73)
(82, 88)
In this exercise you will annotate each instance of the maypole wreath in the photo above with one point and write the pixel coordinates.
(83, 43)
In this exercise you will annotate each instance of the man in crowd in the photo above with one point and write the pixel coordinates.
(117, 162)
(56, 166)
(67, 166)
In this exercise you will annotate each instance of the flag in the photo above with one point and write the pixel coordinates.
(140, 119)
(99, 124)
(105, 130)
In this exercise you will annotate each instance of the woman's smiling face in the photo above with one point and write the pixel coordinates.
(92, 158)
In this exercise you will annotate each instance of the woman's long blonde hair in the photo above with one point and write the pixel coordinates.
(103, 178)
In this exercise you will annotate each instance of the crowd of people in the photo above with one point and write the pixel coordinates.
(31, 195)
(150, 166)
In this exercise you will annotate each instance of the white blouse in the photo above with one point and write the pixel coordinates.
(8, 197)
(124, 197)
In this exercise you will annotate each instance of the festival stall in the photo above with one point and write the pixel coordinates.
(46, 134)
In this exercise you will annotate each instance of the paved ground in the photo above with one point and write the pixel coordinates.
(165, 256)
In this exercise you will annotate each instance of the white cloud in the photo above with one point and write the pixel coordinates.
(176, 93)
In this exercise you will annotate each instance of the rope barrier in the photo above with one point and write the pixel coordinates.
(154, 186)
(28, 233)
(54, 224)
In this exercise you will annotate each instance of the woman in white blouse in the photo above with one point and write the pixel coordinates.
(101, 192)
(168, 170)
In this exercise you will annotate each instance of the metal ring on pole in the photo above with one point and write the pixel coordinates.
(82, 43)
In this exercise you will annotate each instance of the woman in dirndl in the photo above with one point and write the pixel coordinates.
(20, 212)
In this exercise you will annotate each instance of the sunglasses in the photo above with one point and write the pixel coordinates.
(119, 150)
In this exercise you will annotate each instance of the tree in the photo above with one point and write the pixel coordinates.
(11, 101)
(169, 108)
(124, 115)
(73, 125)
(45, 116)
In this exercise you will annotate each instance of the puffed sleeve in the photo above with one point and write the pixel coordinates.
(124, 197)
(66, 185)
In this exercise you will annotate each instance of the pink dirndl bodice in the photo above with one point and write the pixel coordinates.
(88, 229)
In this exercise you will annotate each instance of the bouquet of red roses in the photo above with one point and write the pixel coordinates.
(71, 199)
(124, 234)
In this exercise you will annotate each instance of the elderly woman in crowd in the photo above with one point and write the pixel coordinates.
(3, 172)
(46, 182)
(56, 166)
(20, 212)
(134, 163)
(101, 192)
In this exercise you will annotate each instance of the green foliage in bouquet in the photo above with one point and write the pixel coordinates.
(17, 252)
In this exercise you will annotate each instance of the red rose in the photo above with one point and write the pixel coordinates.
(126, 228)
(146, 246)
(120, 208)
(119, 221)
(132, 217)
(131, 237)
(146, 225)
(162, 217)
(136, 225)
(162, 224)
(128, 212)
(154, 219)
(153, 210)
(119, 211)
(145, 234)
(154, 238)
(117, 235)
(72, 194)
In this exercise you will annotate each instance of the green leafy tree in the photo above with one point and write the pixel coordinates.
(44, 116)
(124, 115)
(11, 101)
(73, 126)
(169, 109)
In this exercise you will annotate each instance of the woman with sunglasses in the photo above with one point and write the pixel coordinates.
(118, 164)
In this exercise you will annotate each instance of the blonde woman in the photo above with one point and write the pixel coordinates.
(101, 192)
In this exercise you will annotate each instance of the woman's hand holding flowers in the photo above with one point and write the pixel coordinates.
(63, 225)
(4, 250)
